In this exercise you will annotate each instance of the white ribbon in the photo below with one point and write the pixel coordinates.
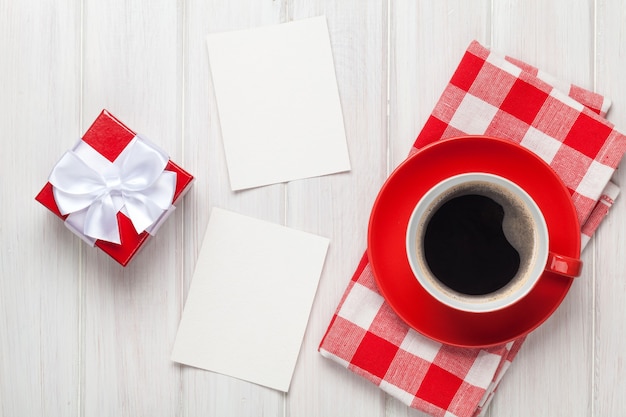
(92, 190)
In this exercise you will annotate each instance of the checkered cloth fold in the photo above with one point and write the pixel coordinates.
(497, 96)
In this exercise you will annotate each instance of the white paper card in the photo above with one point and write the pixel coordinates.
(278, 103)
(250, 299)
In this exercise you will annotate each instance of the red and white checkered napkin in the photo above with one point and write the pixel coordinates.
(497, 96)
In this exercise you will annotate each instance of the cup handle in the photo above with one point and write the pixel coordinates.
(564, 265)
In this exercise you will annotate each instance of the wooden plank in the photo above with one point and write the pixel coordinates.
(428, 40)
(82, 336)
(610, 318)
(132, 62)
(39, 257)
(207, 393)
(337, 206)
(556, 37)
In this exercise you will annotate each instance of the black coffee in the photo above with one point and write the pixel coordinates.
(465, 247)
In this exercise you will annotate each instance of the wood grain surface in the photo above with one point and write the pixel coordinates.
(81, 336)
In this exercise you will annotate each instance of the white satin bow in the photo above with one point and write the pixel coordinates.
(136, 181)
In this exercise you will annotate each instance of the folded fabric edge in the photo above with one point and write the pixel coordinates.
(359, 269)
(408, 399)
(385, 388)
(599, 212)
(596, 102)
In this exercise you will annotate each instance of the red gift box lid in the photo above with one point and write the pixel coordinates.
(109, 137)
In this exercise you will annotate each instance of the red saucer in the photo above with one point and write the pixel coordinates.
(393, 207)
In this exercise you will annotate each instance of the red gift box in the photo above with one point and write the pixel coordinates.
(110, 137)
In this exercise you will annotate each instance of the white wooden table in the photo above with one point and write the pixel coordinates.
(81, 336)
